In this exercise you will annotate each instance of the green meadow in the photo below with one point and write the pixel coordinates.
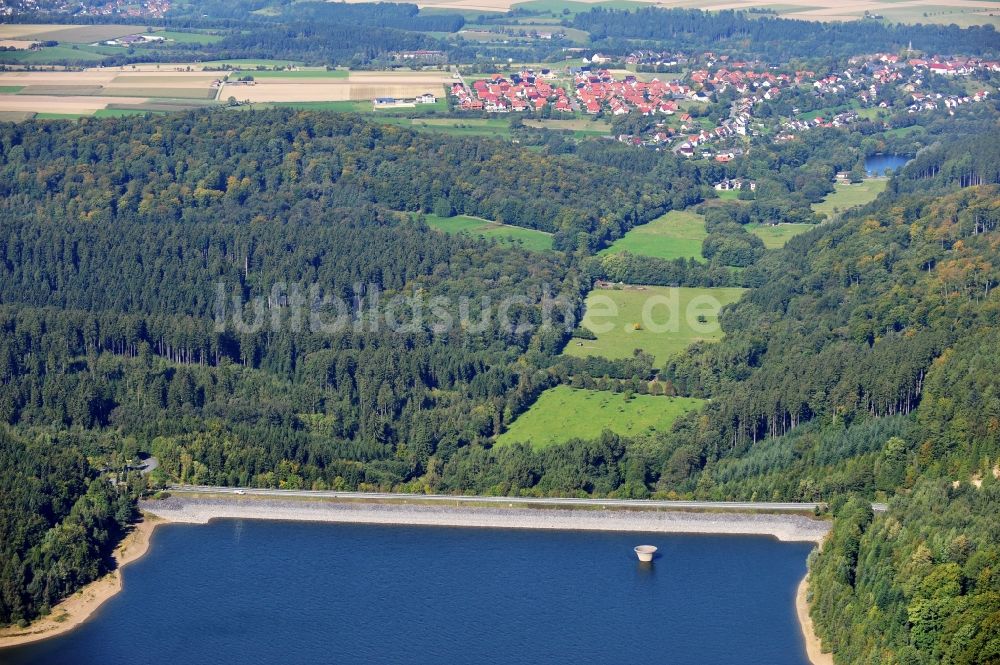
(844, 197)
(677, 234)
(660, 320)
(776, 236)
(188, 37)
(563, 413)
(53, 54)
(556, 7)
(495, 127)
(537, 241)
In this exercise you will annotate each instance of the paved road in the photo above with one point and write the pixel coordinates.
(510, 501)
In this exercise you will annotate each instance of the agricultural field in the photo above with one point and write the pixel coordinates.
(292, 73)
(563, 413)
(68, 92)
(776, 236)
(75, 34)
(848, 196)
(80, 44)
(677, 234)
(75, 105)
(356, 86)
(660, 320)
(537, 241)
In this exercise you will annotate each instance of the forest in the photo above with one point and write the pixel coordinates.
(770, 38)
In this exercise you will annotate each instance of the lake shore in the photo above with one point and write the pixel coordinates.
(814, 648)
(792, 528)
(76, 609)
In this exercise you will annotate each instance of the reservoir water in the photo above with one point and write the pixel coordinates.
(877, 164)
(248, 592)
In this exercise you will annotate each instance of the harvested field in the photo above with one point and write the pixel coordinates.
(15, 116)
(358, 85)
(78, 34)
(61, 90)
(15, 43)
(112, 83)
(62, 105)
(86, 78)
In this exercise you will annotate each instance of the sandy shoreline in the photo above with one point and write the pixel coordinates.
(813, 645)
(76, 609)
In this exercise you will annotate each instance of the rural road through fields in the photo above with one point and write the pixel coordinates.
(508, 501)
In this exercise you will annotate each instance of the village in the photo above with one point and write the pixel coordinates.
(871, 83)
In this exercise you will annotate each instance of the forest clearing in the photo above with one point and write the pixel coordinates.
(557, 416)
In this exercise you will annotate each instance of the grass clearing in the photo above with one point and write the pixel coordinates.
(50, 55)
(677, 234)
(537, 241)
(556, 7)
(169, 93)
(563, 413)
(669, 320)
(236, 63)
(845, 197)
(777, 235)
(189, 37)
(578, 126)
(496, 128)
(344, 106)
(10, 89)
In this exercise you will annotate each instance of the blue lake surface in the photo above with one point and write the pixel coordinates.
(877, 164)
(248, 592)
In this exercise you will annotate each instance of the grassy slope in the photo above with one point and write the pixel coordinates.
(622, 339)
(563, 413)
(677, 234)
(531, 239)
(776, 236)
(848, 196)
